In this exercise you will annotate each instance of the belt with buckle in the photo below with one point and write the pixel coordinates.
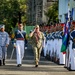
(20, 38)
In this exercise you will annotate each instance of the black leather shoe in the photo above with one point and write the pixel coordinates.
(0, 63)
(3, 61)
(36, 65)
(18, 65)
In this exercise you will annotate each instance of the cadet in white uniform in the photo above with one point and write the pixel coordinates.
(61, 55)
(20, 36)
(72, 35)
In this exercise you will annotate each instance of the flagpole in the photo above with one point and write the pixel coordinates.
(67, 51)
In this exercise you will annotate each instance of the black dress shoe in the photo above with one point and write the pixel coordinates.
(0, 63)
(18, 65)
(36, 65)
(3, 61)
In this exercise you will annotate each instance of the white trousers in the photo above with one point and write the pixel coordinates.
(61, 55)
(52, 47)
(48, 46)
(73, 60)
(19, 51)
(55, 47)
(45, 49)
(69, 53)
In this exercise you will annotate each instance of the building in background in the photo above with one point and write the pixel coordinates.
(63, 9)
(36, 11)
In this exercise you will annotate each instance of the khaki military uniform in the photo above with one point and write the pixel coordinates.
(37, 46)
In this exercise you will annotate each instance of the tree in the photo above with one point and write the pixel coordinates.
(9, 12)
(52, 13)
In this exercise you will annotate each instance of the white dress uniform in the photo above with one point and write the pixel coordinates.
(45, 44)
(55, 47)
(47, 47)
(72, 64)
(61, 55)
(50, 41)
(52, 46)
(20, 36)
(69, 54)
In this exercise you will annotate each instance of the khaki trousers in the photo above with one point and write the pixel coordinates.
(37, 52)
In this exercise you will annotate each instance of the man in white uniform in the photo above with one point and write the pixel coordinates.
(72, 49)
(20, 37)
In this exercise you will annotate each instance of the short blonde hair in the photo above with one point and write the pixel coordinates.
(36, 26)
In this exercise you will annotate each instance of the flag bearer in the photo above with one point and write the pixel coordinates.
(72, 49)
(69, 50)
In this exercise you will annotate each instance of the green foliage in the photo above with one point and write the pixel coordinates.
(9, 12)
(52, 13)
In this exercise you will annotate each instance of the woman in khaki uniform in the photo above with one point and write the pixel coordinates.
(37, 38)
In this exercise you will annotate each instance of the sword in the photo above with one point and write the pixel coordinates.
(12, 54)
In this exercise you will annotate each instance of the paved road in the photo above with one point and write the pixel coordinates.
(45, 67)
